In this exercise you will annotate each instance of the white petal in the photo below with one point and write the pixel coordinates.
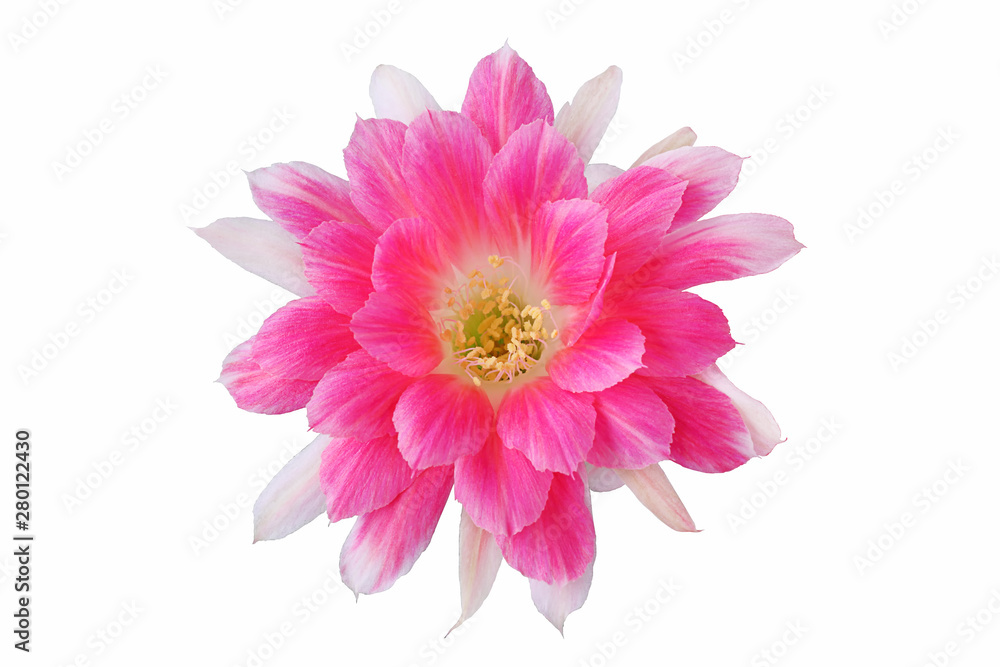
(682, 137)
(398, 95)
(293, 497)
(764, 430)
(261, 247)
(556, 602)
(599, 172)
(587, 117)
(651, 486)
(479, 560)
(603, 479)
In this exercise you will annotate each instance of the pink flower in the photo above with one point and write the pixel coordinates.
(481, 310)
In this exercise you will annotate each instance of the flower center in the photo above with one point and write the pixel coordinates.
(494, 335)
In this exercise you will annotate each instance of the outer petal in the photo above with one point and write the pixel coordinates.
(585, 120)
(261, 247)
(398, 95)
(412, 256)
(440, 418)
(603, 479)
(764, 430)
(634, 427)
(359, 476)
(258, 391)
(299, 196)
(559, 546)
(598, 172)
(499, 488)
(557, 601)
(567, 249)
(397, 330)
(303, 340)
(356, 398)
(641, 204)
(709, 434)
(373, 159)
(338, 260)
(384, 544)
(479, 560)
(653, 489)
(605, 354)
(552, 427)
(293, 497)
(711, 174)
(503, 95)
(682, 137)
(724, 248)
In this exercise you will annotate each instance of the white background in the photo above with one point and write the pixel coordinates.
(835, 538)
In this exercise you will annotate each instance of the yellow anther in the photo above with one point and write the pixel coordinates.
(485, 324)
(545, 304)
(495, 261)
(447, 290)
(446, 335)
(488, 347)
(476, 381)
(555, 332)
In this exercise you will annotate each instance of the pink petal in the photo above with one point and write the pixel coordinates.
(397, 330)
(603, 479)
(411, 255)
(709, 434)
(293, 497)
(559, 546)
(398, 95)
(503, 95)
(444, 162)
(356, 398)
(653, 489)
(604, 355)
(384, 544)
(641, 204)
(536, 165)
(299, 196)
(552, 427)
(598, 172)
(764, 430)
(303, 340)
(711, 174)
(261, 247)
(258, 391)
(359, 476)
(682, 137)
(557, 601)
(586, 119)
(373, 159)
(581, 317)
(567, 249)
(633, 428)
(724, 248)
(440, 418)
(479, 560)
(338, 260)
(499, 488)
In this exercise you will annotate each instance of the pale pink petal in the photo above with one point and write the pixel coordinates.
(558, 547)
(445, 159)
(440, 418)
(682, 137)
(557, 601)
(579, 318)
(479, 560)
(552, 427)
(604, 355)
(398, 95)
(373, 159)
(603, 479)
(396, 329)
(764, 430)
(653, 489)
(261, 247)
(567, 249)
(299, 196)
(384, 544)
(338, 260)
(536, 165)
(711, 174)
(255, 390)
(411, 255)
(724, 248)
(293, 497)
(503, 95)
(633, 428)
(585, 120)
(641, 204)
(359, 476)
(598, 172)
(499, 487)
(709, 433)
(303, 340)
(356, 398)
